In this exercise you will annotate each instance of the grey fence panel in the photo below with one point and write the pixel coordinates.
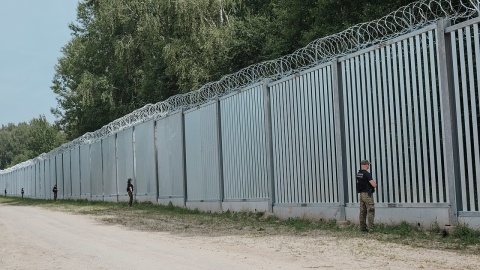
(404, 139)
(110, 190)
(125, 163)
(3, 179)
(244, 145)
(303, 138)
(59, 174)
(46, 187)
(25, 184)
(466, 67)
(96, 170)
(75, 171)
(41, 178)
(37, 181)
(170, 156)
(52, 177)
(145, 168)
(67, 175)
(201, 150)
(30, 186)
(85, 171)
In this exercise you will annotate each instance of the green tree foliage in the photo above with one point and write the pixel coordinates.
(24, 141)
(125, 54)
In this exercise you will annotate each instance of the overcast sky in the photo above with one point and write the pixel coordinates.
(32, 33)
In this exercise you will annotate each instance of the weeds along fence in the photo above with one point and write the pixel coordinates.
(287, 135)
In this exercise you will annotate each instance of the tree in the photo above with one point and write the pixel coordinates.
(24, 141)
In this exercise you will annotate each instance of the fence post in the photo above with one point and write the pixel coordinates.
(450, 140)
(269, 144)
(220, 156)
(340, 136)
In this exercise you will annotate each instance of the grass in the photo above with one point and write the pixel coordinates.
(147, 216)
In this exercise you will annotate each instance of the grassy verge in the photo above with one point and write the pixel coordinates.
(152, 217)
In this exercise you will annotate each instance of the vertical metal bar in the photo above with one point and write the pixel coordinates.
(316, 136)
(414, 137)
(285, 142)
(331, 138)
(376, 157)
(309, 147)
(358, 109)
(403, 64)
(276, 134)
(450, 143)
(328, 130)
(468, 88)
(219, 152)
(408, 136)
(381, 167)
(321, 150)
(353, 122)
(325, 113)
(398, 154)
(247, 142)
(296, 141)
(383, 117)
(305, 144)
(338, 98)
(362, 110)
(370, 150)
(420, 119)
(391, 152)
(269, 144)
(289, 141)
(437, 178)
(463, 174)
(476, 147)
(429, 142)
(345, 65)
(228, 111)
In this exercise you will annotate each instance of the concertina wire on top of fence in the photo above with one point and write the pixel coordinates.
(404, 20)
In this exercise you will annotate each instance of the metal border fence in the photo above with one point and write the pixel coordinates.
(286, 135)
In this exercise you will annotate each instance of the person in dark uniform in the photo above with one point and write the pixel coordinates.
(5, 192)
(55, 190)
(130, 191)
(22, 192)
(366, 187)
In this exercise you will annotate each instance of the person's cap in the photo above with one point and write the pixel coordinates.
(364, 162)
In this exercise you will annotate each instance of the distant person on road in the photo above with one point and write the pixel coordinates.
(130, 191)
(22, 192)
(55, 190)
(366, 187)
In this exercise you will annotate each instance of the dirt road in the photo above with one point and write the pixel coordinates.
(34, 238)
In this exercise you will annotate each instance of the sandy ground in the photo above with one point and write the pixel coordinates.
(34, 238)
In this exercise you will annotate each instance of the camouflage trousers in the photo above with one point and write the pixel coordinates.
(367, 211)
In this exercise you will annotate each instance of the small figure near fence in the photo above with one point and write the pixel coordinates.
(22, 191)
(366, 187)
(130, 191)
(5, 192)
(55, 190)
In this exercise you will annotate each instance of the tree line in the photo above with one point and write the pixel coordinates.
(25, 141)
(125, 54)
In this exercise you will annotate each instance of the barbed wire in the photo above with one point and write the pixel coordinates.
(397, 23)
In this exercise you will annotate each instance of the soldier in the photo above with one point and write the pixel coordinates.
(365, 187)
(130, 191)
(5, 192)
(55, 190)
(22, 192)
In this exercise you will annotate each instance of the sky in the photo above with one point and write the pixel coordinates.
(32, 34)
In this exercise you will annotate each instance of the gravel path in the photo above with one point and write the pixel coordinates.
(35, 238)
